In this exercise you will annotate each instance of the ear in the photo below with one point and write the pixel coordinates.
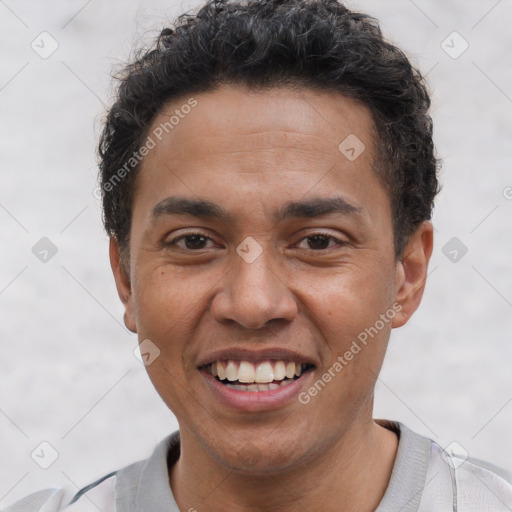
(123, 284)
(411, 272)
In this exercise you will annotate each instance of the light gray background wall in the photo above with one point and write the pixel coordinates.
(69, 376)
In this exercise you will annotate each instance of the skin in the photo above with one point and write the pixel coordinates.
(252, 152)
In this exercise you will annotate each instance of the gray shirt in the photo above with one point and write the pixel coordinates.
(425, 478)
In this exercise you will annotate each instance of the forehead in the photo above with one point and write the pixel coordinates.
(260, 120)
(240, 146)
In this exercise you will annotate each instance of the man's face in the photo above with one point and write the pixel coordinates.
(267, 282)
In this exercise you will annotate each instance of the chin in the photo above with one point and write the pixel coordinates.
(258, 455)
(253, 461)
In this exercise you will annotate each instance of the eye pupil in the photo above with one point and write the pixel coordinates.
(323, 239)
(197, 241)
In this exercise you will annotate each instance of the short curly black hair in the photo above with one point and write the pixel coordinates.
(315, 44)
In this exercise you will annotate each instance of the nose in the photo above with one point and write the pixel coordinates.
(254, 295)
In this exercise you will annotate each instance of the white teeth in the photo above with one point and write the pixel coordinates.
(259, 387)
(279, 370)
(264, 373)
(231, 371)
(246, 372)
(221, 370)
(290, 370)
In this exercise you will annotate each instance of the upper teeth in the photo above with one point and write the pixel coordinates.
(263, 372)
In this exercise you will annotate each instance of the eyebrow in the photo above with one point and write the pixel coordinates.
(203, 209)
(200, 208)
(317, 207)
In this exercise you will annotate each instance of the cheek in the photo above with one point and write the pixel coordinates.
(165, 307)
(165, 301)
(347, 302)
(347, 310)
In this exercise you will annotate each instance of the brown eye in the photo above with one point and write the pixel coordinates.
(320, 241)
(191, 241)
(195, 241)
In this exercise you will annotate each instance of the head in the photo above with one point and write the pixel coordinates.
(268, 176)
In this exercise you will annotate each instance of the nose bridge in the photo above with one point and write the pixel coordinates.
(256, 269)
(254, 292)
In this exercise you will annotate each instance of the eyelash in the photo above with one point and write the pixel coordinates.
(173, 242)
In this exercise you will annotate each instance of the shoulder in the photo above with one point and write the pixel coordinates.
(427, 477)
(482, 483)
(48, 499)
(100, 494)
(109, 493)
(475, 484)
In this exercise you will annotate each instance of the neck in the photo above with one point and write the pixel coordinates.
(336, 480)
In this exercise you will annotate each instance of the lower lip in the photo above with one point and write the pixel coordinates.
(256, 400)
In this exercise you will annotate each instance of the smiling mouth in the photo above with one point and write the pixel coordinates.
(266, 375)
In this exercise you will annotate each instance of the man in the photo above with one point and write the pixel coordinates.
(268, 177)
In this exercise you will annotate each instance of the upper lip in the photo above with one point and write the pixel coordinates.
(254, 356)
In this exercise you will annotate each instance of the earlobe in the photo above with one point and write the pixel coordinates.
(123, 284)
(411, 272)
